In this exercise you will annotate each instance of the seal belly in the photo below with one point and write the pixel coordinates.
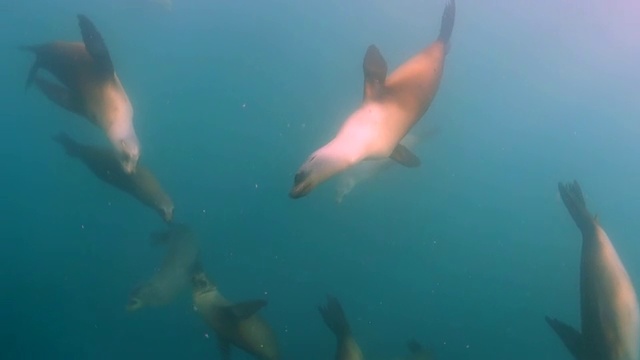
(609, 303)
(366, 134)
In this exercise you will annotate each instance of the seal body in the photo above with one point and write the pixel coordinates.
(236, 324)
(88, 87)
(174, 274)
(104, 163)
(391, 107)
(608, 302)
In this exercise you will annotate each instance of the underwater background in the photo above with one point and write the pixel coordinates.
(466, 253)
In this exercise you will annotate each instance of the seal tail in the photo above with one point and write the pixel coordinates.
(448, 19)
(70, 146)
(334, 317)
(573, 200)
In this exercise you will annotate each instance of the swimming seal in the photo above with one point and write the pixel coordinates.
(90, 87)
(608, 303)
(237, 324)
(174, 274)
(391, 107)
(104, 163)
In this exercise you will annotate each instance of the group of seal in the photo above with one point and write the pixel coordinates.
(376, 132)
(90, 88)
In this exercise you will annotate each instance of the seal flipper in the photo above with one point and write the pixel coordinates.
(59, 94)
(375, 73)
(404, 156)
(36, 64)
(573, 200)
(94, 43)
(225, 348)
(446, 25)
(70, 146)
(334, 317)
(569, 336)
(244, 310)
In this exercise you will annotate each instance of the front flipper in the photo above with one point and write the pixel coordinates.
(569, 336)
(244, 310)
(404, 156)
(225, 348)
(375, 73)
(59, 95)
(95, 46)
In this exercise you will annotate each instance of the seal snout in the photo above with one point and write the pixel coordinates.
(168, 215)
(301, 185)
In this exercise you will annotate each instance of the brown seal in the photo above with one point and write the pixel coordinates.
(174, 274)
(236, 324)
(392, 105)
(608, 302)
(105, 164)
(89, 87)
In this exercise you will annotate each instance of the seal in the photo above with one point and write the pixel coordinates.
(608, 303)
(347, 348)
(417, 352)
(236, 324)
(104, 163)
(90, 87)
(391, 106)
(174, 274)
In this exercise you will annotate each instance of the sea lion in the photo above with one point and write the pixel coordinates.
(608, 303)
(104, 163)
(417, 352)
(347, 348)
(174, 274)
(90, 87)
(236, 324)
(391, 107)
(348, 179)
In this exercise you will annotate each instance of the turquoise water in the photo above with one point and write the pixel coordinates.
(467, 253)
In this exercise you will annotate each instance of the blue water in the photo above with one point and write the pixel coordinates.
(467, 253)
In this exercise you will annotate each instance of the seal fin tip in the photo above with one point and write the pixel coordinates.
(334, 317)
(32, 75)
(573, 199)
(225, 348)
(570, 337)
(70, 145)
(375, 70)
(405, 157)
(95, 45)
(448, 19)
